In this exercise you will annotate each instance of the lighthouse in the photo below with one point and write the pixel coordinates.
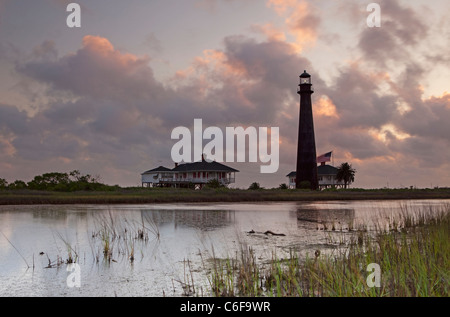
(306, 150)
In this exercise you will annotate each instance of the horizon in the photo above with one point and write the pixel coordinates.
(103, 98)
(98, 178)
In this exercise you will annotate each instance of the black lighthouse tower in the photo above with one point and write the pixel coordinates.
(306, 151)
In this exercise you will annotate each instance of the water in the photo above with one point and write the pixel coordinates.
(175, 248)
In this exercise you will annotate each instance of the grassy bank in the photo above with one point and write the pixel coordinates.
(170, 195)
(414, 260)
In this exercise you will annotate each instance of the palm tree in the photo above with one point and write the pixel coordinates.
(346, 173)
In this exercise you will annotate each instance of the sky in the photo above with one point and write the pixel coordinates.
(104, 98)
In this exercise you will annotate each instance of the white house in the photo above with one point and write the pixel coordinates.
(183, 175)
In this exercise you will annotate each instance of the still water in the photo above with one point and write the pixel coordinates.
(155, 250)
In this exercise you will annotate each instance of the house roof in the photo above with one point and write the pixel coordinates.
(321, 170)
(202, 166)
(326, 170)
(158, 169)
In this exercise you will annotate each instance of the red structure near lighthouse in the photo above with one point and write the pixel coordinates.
(306, 173)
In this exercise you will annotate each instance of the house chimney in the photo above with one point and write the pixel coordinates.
(203, 157)
(176, 165)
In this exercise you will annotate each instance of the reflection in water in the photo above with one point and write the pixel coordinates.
(311, 216)
(200, 219)
(50, 214)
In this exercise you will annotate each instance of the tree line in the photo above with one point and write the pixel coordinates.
(56, 181)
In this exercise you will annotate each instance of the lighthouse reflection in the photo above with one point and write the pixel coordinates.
(316, 217)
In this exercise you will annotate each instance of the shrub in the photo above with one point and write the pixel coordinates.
(214, 183)
(254, 186)
(305, 185)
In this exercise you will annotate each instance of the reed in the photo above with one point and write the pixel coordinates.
(121, 238)
(187, 284)
(72, 254)
(414, 258)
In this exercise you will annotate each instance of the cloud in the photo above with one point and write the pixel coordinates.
(12, 120)
(115, 75)
(379, 98)
(302, 21)
(243, 82)
(271, 32)
(428, 119)
(402, 29)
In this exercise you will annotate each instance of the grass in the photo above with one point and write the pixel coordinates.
(139, 195)
(413, 255)
(113, 240)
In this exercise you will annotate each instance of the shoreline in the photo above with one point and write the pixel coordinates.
(161, 196)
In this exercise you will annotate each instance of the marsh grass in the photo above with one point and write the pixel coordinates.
(137, 195)
(187, 281)
(412, 249)
(113, 239)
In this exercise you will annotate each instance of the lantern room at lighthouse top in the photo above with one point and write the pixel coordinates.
(305, 83)
(305, 78)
